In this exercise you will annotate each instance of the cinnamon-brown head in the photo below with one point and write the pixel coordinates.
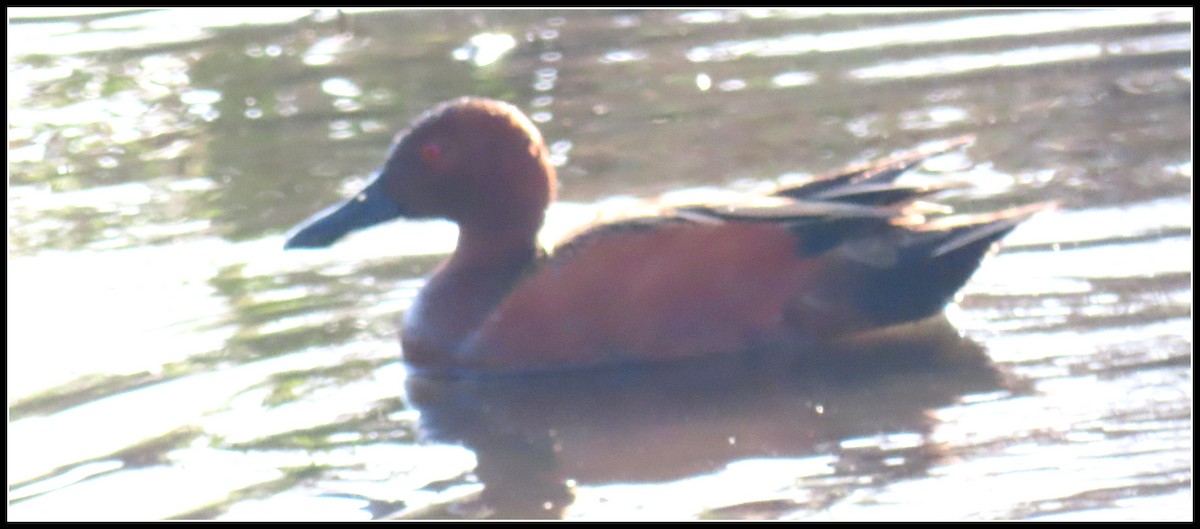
(477, 162)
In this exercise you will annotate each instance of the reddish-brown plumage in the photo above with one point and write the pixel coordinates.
(638, 295)
(803, 264)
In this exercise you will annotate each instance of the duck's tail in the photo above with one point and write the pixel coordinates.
(934, 260)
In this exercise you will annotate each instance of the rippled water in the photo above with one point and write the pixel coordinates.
(168, 360)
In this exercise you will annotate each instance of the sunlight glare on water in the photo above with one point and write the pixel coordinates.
(967, 28)
(168, 360)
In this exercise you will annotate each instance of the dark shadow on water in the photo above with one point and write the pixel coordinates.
(537, 436)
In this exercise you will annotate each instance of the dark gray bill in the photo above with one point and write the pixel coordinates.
(368, 208)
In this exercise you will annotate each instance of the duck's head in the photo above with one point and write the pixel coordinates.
(477, 162)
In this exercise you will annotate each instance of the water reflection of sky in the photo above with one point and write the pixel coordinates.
(167, 357)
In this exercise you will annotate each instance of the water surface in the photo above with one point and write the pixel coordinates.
(169, 360)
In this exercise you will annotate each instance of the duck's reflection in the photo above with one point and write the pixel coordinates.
(536, 435)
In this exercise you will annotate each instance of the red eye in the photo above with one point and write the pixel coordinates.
(431, 152)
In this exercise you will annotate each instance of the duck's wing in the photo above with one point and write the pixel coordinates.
(900, 256)
(861, 193)
(894, 263)
(871, 182)
(865, 202)
(908, 224)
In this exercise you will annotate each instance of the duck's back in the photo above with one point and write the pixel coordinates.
(841, 254)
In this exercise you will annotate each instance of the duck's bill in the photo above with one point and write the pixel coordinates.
(368, 208)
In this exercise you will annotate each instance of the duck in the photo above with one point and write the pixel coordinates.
(794, 267)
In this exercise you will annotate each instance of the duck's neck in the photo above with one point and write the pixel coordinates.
(490, 251)
(465, 290)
